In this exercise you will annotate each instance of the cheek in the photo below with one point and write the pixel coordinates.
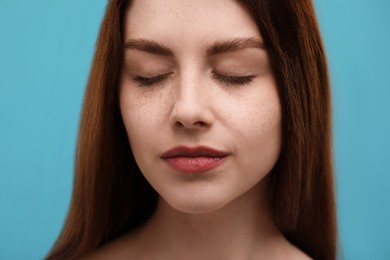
(258, 127)
(142, 119)
(143, 113)
(257, 116)
(267, 134)
(266, 122)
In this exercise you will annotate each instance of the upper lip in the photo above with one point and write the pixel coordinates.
(198, 151)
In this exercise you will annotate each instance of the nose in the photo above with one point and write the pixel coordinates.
(192, 106)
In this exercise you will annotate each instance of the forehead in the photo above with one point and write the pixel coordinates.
(188, 21)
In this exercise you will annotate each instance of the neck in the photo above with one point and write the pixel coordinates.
(232, 232)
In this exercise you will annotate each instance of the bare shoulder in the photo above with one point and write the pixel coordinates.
(279, 248)
(121, 248)
(289, 251)
(297, 254)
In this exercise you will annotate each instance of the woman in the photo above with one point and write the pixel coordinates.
(205, 134)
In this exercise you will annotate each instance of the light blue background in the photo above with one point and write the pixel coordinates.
(46, 49)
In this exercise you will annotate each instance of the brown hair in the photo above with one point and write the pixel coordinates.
(111, 196)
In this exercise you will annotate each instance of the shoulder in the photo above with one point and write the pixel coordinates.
(122, 248)
(286, 250)
(279, 248)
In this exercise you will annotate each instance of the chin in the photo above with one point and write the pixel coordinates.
(200, 204)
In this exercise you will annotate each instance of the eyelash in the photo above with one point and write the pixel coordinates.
(147, 82)
(234, 80)
(230, 80)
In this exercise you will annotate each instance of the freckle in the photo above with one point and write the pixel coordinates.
(147, 106)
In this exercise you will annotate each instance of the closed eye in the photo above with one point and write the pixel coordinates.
(234, 80)
(149, 81)
(230, 80)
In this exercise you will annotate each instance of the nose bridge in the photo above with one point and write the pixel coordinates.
(192, 107)
(191, 89)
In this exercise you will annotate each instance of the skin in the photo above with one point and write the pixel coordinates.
(223, 213)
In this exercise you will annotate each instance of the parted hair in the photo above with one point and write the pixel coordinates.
(110, 195)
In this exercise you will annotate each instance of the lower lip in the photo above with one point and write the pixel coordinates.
(194, 165)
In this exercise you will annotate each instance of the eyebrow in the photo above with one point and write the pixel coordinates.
(148, 46)
(218, 47)
(234, 45)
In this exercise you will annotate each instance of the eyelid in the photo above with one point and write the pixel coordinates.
(143, 81)
(234, 80)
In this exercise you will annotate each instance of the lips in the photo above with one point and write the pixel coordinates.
(194, 159)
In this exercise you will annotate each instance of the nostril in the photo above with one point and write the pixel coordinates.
(200, 123)
(193, 125)
(179, 124)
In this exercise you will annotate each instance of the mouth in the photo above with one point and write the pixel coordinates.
(194, 159)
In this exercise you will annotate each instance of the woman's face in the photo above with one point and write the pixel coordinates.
(199, 101)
